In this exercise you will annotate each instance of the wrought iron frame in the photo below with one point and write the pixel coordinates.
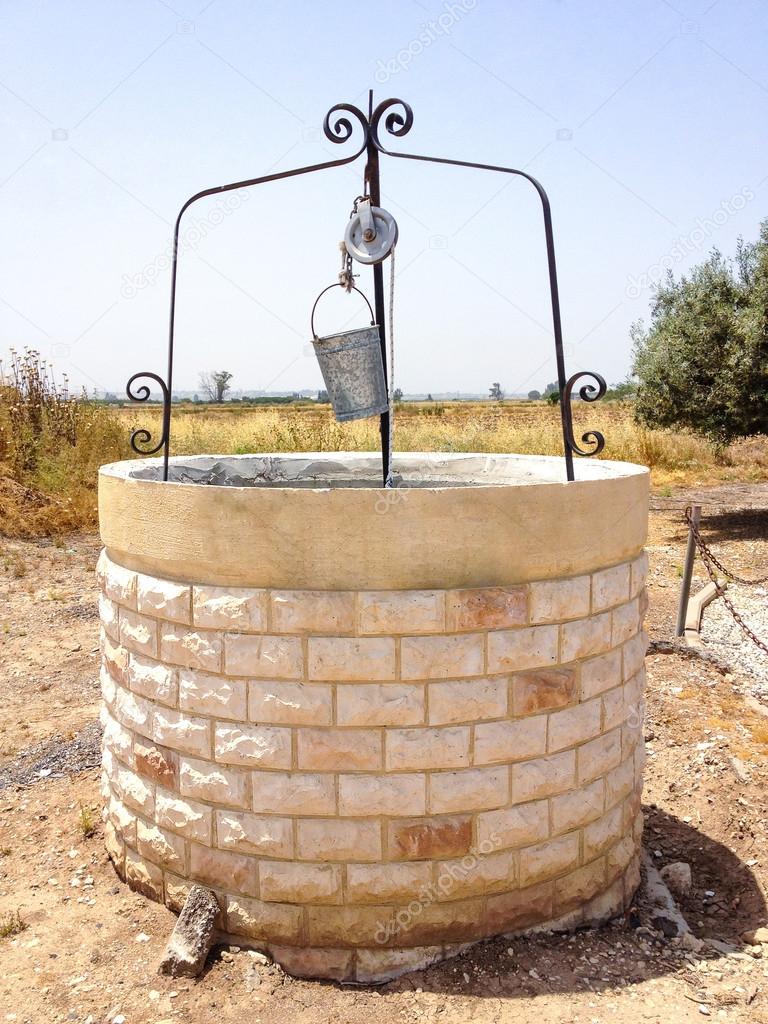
(338, 128)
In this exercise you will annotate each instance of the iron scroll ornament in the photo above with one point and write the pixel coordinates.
(142, 436)
(338, 128)
(587, 393)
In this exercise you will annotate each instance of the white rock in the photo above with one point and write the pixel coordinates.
(256, 956)
(678, 877)
(689, 941)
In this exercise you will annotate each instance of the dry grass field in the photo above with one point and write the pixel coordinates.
(525, 427)
(52, 445)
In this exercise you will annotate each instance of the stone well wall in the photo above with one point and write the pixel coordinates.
(367, 780)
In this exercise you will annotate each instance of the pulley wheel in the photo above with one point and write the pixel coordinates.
(377, 248)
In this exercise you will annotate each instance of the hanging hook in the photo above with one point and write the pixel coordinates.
(346, 277)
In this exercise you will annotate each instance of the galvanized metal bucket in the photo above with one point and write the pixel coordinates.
(352, 368)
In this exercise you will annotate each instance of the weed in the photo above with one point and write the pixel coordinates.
(18, 567)
(51, 445)
(86, 822)
(11, 924)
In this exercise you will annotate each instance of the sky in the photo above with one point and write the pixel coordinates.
(644, 121)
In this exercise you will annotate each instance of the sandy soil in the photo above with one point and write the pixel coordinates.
(90, 947)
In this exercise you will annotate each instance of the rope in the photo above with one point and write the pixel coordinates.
(389, 481)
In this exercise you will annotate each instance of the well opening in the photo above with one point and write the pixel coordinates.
(363, 469)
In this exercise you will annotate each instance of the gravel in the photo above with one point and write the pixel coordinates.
(722, 634)
(53, 759)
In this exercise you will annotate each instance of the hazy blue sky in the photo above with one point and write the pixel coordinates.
(645, 121)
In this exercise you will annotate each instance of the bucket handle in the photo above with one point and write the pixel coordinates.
(354, 288)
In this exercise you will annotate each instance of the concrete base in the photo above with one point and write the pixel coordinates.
(695, 610)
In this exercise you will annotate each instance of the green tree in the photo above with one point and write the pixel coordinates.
(552, 393)
(621, 392)
(215, 384)
(534, 395)
(703, 361)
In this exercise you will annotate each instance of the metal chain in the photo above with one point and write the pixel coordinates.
(710, 562)
(703, 546)
(389, 481)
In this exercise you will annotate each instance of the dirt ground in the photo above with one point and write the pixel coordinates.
(89, 948)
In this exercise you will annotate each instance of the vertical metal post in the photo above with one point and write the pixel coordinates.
(171, 330)
(372, 179)
(558, 332)
(690, 555)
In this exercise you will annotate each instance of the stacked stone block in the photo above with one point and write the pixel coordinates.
(369, 780)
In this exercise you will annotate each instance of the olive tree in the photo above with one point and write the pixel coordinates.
(702, 362)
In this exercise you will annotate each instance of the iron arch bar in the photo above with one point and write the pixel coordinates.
(338, 130)
(398, 122)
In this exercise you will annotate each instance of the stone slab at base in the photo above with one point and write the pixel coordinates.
(378, 966)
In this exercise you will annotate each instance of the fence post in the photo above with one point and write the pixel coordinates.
(690, 555)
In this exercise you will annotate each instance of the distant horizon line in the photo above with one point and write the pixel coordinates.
(306, 393)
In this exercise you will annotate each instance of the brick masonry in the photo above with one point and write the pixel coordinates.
(368, 780)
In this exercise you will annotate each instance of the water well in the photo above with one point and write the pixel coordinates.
(379, 722)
